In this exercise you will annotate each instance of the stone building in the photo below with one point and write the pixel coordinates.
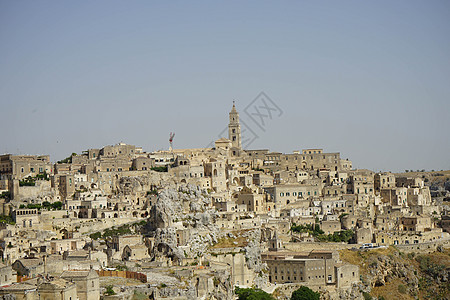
(21, 291)
(21, 166)
(282, 195)
(119, 242)
(384, 181)
(7, 275)
(361, 182)
(29, 267)
(26, 217)
(255, 201)
(234, 132)
(216, 170)
(57, 289)
(86, 281)
(315, 268)
(66, 186)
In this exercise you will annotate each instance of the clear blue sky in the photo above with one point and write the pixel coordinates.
(368, 79)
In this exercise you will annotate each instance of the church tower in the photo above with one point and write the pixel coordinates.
(234, 129)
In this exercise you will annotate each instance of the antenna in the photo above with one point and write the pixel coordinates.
(171, 136)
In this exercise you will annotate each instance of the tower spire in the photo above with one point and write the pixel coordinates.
(234, 128)
(233, 109)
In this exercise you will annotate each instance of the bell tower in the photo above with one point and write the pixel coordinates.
(234, 128)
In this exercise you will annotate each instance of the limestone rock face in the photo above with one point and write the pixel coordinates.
(187, 204)
(166, 244)
(253, 257)
(354, 293)
(128, 185)
(384, 269)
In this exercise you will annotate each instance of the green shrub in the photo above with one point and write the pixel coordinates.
(252, 294)
(367, 296)
(29, 181)
(95, 235)
(67, 160)
(160, 169)
(7, 220)
(109, 290)
(305, 293)
(5, 195)
(402, 289)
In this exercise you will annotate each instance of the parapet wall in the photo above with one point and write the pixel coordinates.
(308, 247)
(425, 247)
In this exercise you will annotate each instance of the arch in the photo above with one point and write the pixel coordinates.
(135, 214)
(215, 172)
(103, 215)
(75, 214)
(116, 215)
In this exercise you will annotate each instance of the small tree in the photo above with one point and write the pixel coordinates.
(252, 294)
(109, 290)
(305, 293)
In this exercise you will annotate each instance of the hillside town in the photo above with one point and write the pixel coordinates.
(118, 222)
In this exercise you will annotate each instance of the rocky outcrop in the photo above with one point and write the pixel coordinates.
(253, 257)
(189, 205)
(384, 269)
(166, 244)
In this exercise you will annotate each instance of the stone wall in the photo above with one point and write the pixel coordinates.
(307, 246)
(425, 247)
(42, 188)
